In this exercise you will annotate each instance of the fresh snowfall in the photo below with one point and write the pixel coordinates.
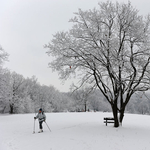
(74, 131)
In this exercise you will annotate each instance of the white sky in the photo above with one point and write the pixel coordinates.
(26, 25)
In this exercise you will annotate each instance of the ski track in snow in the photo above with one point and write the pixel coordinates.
(74, 131)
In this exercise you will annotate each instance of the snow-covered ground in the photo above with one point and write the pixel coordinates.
(74, 131)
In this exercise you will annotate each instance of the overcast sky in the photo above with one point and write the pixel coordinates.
(26, 25)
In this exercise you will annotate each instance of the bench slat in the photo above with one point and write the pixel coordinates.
(108, 120)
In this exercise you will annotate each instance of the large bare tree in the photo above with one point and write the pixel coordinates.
(109, 49)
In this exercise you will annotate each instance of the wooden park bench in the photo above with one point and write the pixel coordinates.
(108, 120)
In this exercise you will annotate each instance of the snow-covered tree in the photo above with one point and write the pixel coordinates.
(33, 88)
(55, 100)
(15, 84)
(4, 75)
(4, 89)
(3, 56)
(109, 49)
(82, 97)
(98, 102)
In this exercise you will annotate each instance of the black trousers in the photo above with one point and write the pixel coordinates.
(40, 124)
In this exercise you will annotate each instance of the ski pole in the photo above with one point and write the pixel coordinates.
(48, 126)
(34, 127)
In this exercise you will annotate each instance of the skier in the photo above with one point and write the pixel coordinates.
(41, 117)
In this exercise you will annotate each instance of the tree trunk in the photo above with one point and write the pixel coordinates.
(85, 107)
(11, 108)
(121, 114)
(115, 114)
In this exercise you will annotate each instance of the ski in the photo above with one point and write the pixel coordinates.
(36, 132)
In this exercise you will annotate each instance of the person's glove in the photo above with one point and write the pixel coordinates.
(34, 117)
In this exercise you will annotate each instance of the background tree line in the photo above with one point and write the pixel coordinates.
(26, 95)
(20, 95)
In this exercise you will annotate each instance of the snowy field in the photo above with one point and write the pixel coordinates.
(74, 131)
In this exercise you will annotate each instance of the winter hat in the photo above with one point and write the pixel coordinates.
(40, 109)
